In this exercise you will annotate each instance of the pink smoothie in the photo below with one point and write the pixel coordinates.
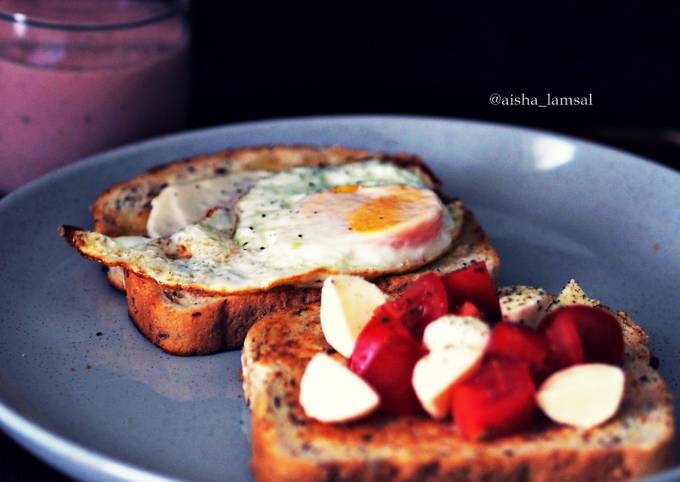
(68, 98)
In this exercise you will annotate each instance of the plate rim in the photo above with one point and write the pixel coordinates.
(50, 446)
(101, 157)
(39, 441)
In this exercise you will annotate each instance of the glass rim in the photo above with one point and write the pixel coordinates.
(174, 7)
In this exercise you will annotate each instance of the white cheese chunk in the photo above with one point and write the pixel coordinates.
(582, 395)
(331, 393)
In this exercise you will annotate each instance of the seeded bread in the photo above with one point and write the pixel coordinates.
(193, 323)
(288, 446)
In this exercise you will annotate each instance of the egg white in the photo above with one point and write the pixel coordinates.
(264, 242)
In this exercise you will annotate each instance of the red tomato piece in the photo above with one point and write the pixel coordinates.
(521, 343)
(473, 284)
(565, 346)
(496, 400)
(422, 302)
(384, 355)
(469, 309)
(600, 332)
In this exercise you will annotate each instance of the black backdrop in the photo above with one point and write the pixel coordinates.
(258, 60)
(255, 60)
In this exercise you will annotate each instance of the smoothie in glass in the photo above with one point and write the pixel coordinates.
(81, 76)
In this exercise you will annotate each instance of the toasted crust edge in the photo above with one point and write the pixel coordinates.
(206, 324)
(604, 465)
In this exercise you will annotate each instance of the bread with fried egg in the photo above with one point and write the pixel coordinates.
(189, 320)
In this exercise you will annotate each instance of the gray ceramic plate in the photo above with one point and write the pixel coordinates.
(82, 389)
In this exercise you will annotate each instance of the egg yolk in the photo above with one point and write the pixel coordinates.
(381, 213)
(374, 209)
(347, 188)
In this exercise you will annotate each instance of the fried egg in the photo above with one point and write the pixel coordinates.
(295, 227)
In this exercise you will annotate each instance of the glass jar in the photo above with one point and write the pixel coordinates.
(81, 76)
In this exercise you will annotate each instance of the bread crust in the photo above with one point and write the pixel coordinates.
(182, 323)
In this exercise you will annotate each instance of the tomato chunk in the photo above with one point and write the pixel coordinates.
(600, 334)
(424, 301)
(497, 400)
(389, 346)
(384, 355)
(521, 343)
(473, 284)
(469, 309)
(565, 346)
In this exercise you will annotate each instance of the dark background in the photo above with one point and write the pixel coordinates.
(254, 60)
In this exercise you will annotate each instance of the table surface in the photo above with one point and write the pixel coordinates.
(662, 145)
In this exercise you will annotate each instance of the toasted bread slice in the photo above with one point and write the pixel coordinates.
(186, 322)
(288, 446)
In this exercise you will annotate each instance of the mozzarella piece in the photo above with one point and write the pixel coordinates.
(331, 393)
(437, 372)
(523, 304)
(347, 304)
(572, 294)
(582, 396)
(454, 330)
(182, 204)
